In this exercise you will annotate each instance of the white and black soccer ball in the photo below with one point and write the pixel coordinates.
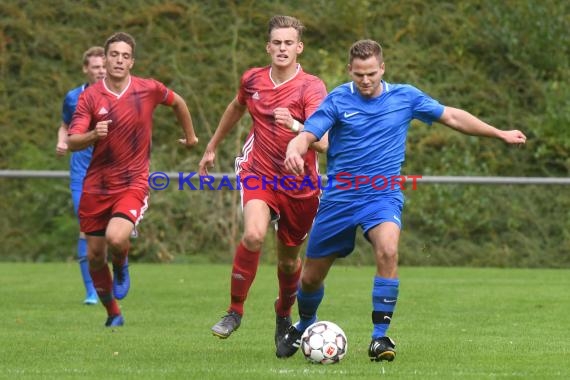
(324, 342)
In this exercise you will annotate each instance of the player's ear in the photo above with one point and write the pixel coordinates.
(300, 47)
(132, 63)
(267, 47)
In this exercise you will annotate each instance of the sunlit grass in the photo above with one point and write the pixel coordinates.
(449, 323)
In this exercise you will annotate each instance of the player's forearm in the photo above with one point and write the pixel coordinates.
(322, 145)
(62, 134)
(230, 118)
(300, 144)
(81, 141)
(185, 120)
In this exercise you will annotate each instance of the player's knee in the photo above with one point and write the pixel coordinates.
(311, 282)
(96, 260)
(289, 265)
(388, 253)
(253, 240)
(116, 242)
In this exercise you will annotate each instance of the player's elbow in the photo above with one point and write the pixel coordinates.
(320, 146)
(178, 102)
(73, 144)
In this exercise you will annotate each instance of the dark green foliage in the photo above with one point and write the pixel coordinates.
(506, 62)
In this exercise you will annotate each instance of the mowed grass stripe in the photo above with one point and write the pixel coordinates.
(449, 323)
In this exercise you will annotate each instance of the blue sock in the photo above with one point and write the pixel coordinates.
(384, 297)
(84, 266)
(308, 305)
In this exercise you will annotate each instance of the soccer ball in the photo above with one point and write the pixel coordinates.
(324, 343)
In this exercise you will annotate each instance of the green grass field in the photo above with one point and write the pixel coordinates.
(449, 323)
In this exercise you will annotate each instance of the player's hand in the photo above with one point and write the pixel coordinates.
(206, 162)
(189, 143)
(294, 163)
(283, 117)
(102, 129)
(61, 148)
(513, 137)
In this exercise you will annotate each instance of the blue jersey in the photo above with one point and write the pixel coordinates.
(367, 138)
(79, 161)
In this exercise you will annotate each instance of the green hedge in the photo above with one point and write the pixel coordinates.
(507, 62)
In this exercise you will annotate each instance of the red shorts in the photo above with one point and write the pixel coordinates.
(95, 210)
(294, 215)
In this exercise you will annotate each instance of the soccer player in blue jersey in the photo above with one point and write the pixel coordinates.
(367, 120)
(94, 69)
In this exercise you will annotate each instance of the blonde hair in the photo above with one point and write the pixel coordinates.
(93, 51)
(278, 22)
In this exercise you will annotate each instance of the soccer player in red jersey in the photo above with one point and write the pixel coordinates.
(115, 115)
(279, 98)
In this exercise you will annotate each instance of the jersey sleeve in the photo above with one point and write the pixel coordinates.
(164, 95)
(242, 94)
(322, 119)
(67, 109)
(81, 119)
(314, 96)
(425, 108)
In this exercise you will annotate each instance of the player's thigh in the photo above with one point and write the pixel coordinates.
(96, 248)
(296, 219)
(385, 238)
(256, 217)
(376, 211)
(127, 211)
(381, 222)
(119, 231)
(94, 213)
(333, 232)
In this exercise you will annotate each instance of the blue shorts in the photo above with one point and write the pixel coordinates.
(334, 229)
(76, 190)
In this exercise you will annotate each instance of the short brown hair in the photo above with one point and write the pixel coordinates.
(278, 22)
(365, 49)
(93, 51)
(121, 37)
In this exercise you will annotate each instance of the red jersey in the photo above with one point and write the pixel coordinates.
(121, 159)
(264, 151)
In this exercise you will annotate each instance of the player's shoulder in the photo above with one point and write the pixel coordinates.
(74, 93)
(343, 90)
(401, 87)
(255, 72)
(142, 84)
(143, 81)
(93, 91)
(305, 76)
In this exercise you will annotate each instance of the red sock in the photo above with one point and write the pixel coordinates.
(287, 291)
(243, 274)
(119, 259)
(103, 283)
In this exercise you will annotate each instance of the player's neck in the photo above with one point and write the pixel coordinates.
(283, 74)
(117, 85)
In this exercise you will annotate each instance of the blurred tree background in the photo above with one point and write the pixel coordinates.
(506, 62)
